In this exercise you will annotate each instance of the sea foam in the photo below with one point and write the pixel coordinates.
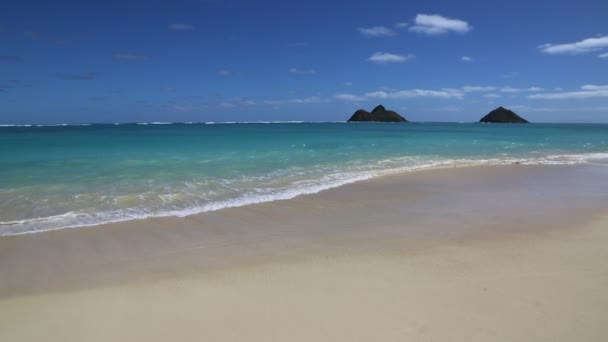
(337, 178)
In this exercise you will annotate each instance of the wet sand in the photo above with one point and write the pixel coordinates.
(468, 254)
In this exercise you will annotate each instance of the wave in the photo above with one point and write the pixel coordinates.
(64, 124)
(337, 178)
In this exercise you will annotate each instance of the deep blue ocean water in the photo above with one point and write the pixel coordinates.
(73, 175)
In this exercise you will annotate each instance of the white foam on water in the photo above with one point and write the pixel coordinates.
(330, 180)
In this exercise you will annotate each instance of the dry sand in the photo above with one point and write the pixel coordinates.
(478, 254)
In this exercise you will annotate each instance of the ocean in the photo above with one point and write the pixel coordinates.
(62, 176)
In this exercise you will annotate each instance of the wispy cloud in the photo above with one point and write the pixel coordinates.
(129, 57)
(9, 58)
(5, 87)
(180, 27)
(603, 55)
(168, 89)
(306, 100)
(384, 57)
(228, 103)
(492, 96)
(225, 73)
(585, 92)
(444, 93)
(471, 89)
(349, 97)
(512, 74)
(402, 25)
(520, 90)
(302, 71)
(14, 84)
(84, 76)
(594, 87)
(414, 93)
(348, 84)
(583, 46)
(466, 59)
(376, 31)
(434, 24)
(225, 104)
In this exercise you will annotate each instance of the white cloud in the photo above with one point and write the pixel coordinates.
(307, 100)
(383, 58)
(413, 93)
(587, 91)
(469, 89)
(402, 25)
(594, 87)
(520, 90)
(180, 27)
(129, 57)
(302, 71)
(584, 46)
(603, 55)
(492, 96)
(466, 59)
(376, 31)
(348, 84)
(349, 97)
(436, 24)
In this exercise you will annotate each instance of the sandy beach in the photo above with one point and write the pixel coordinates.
(501, 253)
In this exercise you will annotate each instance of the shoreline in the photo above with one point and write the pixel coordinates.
(409, 212)
(584, 159)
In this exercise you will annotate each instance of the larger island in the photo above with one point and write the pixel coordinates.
(379, 114)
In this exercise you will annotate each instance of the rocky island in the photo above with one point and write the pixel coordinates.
(503, 115)
(379, 114)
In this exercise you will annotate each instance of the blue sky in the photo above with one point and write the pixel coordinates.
(236, 60)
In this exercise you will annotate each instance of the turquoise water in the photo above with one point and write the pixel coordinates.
(55, 177)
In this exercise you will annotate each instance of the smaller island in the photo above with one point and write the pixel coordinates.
(503, 115)
(379, 114)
